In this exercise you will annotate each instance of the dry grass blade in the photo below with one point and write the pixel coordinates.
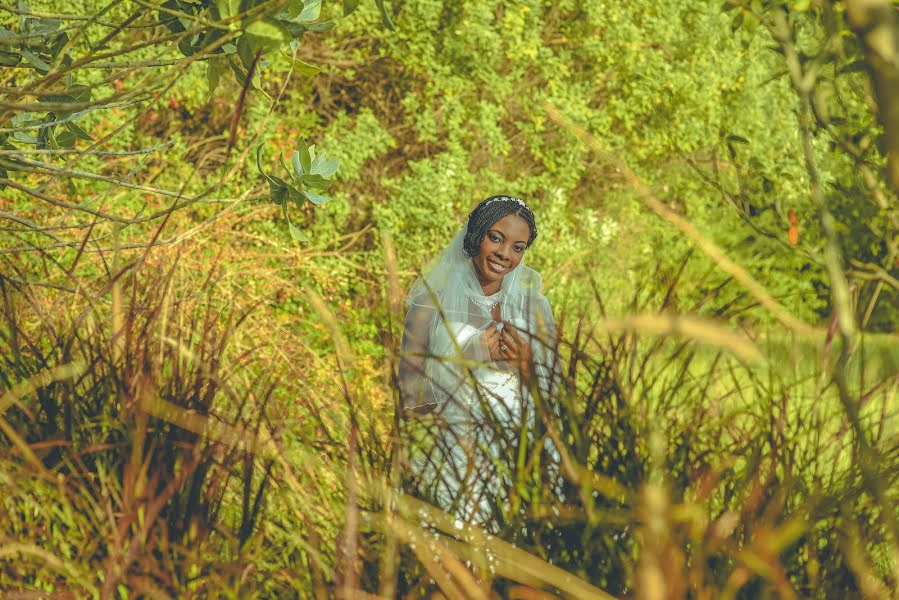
(509, 561)
(32, 384)
(394, 295)
(342, 348)
(18, 550)
(694, 328)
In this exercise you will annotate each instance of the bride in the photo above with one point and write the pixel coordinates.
(479, 341)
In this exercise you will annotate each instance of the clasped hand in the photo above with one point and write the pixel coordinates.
(506, 344)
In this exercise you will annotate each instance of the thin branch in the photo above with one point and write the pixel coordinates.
(53, 16)
(29, 224)
(45, 168)
(19, 152)
(70, 118)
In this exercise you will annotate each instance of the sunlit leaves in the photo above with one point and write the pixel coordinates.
(309, 176)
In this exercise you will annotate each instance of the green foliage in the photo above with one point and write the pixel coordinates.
(121, 158)
(310, 176)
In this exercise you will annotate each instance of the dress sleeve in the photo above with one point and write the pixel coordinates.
(414, 387)
(545, 346)
(430, 371)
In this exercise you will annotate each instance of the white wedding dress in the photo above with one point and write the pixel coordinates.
(479, 406)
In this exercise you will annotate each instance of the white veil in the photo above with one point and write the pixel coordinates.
(443, 353)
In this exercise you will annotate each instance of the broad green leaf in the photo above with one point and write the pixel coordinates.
(325, 167)
(23, 11)
(305, 68)
(296, 233)
(66, 139)
(322, 27)
(79, 93)
(35, 61)
(297, 165)
(264, 35)
(228, 8)
(294, 8)
(214, 68)
(246, 50)
(297, 196)
(316, 182)
(279, 189)
(316, 199)
(349, 6)
(78, 131)
(241, 74)
(25, 138)
(311, 11)
(305, 157)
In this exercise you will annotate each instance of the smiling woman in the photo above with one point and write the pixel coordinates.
(479, 336)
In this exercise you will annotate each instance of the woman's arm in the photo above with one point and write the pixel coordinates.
(416, 396)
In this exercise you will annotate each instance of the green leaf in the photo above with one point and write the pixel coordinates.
(35, 61)
(214, 68)
(3, 175)
(296, 233)
(66, 139)
(316, 199)
(349, 6)
(284, 165)
(324, 166)
(305, 156)
(78, 131)
(297, 196)
(228, 8)
(279, 189)
(311, 11)
(385, 15)
(297, 165)
(79, 93)
(25, 138)
(264, 35)
(305, 68)
(316, 182)
(259, 160)
(246, 50)
(322, 27)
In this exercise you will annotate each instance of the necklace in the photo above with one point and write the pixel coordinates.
(487, 302)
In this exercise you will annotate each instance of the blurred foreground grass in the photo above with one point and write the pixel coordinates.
(157, 444)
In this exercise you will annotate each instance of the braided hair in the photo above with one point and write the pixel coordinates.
(487, 213)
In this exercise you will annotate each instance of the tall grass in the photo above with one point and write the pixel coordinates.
(117, 496)
(145, 455)
(685, 470)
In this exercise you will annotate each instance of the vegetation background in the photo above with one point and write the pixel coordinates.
(198, 339)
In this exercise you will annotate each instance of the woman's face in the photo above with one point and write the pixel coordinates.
(501, 251)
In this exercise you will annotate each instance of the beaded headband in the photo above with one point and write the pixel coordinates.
(509, 198)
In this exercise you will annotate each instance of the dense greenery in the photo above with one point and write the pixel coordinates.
(198, 346)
